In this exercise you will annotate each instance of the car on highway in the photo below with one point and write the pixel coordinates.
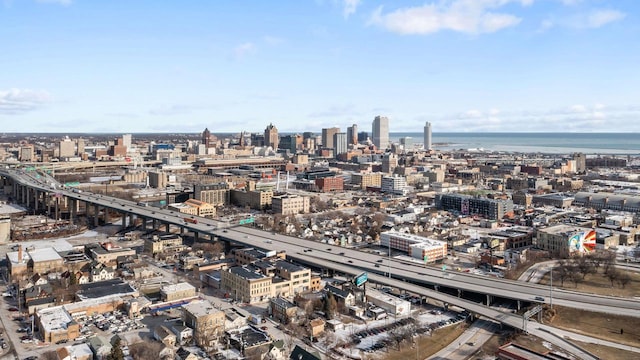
(539, 298)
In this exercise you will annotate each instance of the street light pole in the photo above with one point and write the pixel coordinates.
(551, 290)
(389, 259)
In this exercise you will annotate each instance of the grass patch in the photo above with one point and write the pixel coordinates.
(429, 345)
(606, 352)
(598, 284)
(599, 325)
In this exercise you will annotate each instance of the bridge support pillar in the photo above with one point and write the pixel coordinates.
(154, 224)
(166, 227)
(27, 200)
(489, 299)
(73, 210)
(36, 200)
(519, 304)
(132, 220)
(460, 292)
(435, 287)
(124, 221)
(96, 215)
(196, 236)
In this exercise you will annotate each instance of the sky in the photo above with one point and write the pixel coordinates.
(303, 65)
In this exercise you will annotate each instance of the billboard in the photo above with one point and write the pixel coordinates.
(361, 279)
(583, 242)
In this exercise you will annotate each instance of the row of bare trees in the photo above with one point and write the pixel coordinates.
(577, 269)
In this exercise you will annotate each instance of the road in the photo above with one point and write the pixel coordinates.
(468, 343)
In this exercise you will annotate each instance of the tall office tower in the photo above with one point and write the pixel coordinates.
(80, 146)
(352, 134)
(67, 148)
(206, 137)
(339, 143)
(126, 141)
(271, 136)
(581, 162)
(327, 136)
(427, 136)
(363, 136)
(381, 132)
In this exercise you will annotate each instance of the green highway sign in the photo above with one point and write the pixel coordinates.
(247, 221)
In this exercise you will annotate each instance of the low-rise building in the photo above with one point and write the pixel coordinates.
(206, 321)
(290, 204)
(164, 243)
(247, 284)
(179, 291)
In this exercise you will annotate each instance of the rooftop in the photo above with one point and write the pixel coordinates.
(246, 273)
(183, 286)
(54, 318)
(200, 308)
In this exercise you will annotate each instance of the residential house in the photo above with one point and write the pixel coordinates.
(100, 347)
(165, 336)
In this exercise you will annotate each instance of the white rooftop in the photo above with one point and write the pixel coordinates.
(80, 351)
(54, 318)
(200, 308)
(183, 286)
(44, 254)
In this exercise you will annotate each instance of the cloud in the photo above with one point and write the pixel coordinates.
(58, 2)
(465, 16)
(585, 20)
(350, 7)
(18, 101)
(243, 50)
(600, 18)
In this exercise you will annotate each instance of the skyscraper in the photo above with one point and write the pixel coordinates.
(206, 137)
(339, 143)
(271, 136)
(427, 136)
(327, 136)
(381, 132)
(352, 134)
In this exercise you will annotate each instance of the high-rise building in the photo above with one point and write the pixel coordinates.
(407, 143)
(427, 136)
(80, 145)
(67, 148)
(327, 136)
(126, 141)
(339, 143)
(581, 162)
(363, 136)
(206, 137)
(271, 136)
(352, 134)
(380, 129)
(389, 163)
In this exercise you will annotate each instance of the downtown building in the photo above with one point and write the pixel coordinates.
(380, 130)
(492, 209)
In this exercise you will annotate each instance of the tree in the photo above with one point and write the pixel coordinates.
(330, 305)
(562, 271)
(148, 350)
(624, 279)
(612, 274)
(116, 351)
(584, 266)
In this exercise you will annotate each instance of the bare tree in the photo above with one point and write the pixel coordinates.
(148, 350)
(562, 271)
(584, 266)
(612, 274)
(624, 279)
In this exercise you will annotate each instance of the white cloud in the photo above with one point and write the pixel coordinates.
(465, 16)
(578, 108)
(583, 20)
(349, 7)
(243, 49)
(600, 18)
(59, 2)
(18, 101)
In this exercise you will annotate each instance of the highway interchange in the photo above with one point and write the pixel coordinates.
(404, 275)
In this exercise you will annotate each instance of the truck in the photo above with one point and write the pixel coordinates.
(190, 220)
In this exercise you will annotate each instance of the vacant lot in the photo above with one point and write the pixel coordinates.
(599, 284)
(429, 345)
(599, 325)
(608, 353)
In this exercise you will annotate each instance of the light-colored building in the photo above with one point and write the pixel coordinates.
(295, 278)
(203, 209)
(566, 239)
(414, 245)
(178, 291)
(380, 131)
(255, 199)
(366, 180)
(394, 185)
(327, 136)
(290, 204)
(56, 324)
(164, 243)
(392, 305)
(183, 208)
(247, 284)
(214, 194)
(66, 148)
(206, 321)
(158, 180)
(427, 136)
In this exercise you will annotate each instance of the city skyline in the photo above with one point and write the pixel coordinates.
(465, 66)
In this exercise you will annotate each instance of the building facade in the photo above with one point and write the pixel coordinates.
(380, 131)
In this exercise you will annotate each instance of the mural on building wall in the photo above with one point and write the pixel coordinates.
(583, 242)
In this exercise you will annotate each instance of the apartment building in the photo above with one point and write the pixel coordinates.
(214, 194)
(493, 209)
(365, 180)
(290, 204)
(246, 284)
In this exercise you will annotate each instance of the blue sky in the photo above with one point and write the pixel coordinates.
(181, 66)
